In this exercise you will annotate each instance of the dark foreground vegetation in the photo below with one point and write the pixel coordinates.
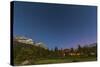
(30, 54)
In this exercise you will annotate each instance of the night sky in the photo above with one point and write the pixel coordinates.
(64, 26)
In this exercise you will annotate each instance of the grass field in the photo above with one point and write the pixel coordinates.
(64, 60)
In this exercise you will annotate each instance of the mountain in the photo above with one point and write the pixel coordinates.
(26, 40)
(23, 39)
(93, 45)
(23, 51)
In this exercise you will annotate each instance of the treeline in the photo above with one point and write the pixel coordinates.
(30, 53)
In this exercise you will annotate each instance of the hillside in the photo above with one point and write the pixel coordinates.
(26, 54)
(23, 52)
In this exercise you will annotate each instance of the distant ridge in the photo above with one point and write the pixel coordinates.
(25, 40)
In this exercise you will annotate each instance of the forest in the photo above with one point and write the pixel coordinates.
(30, 54)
